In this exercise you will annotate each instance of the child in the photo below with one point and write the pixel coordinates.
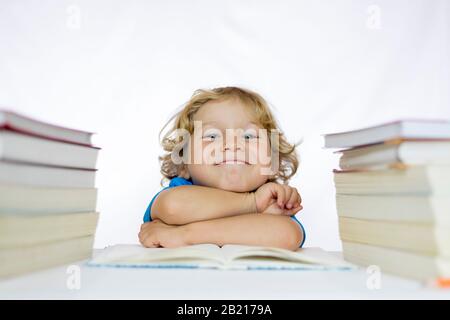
(221, 191)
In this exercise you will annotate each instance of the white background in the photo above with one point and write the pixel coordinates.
(121, 68)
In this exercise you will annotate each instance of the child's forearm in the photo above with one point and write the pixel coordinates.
(187, 204)
(248, 229)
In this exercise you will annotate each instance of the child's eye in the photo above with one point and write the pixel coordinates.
(249, 136)
(210, 136)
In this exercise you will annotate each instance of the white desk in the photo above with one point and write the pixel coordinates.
(111, 283)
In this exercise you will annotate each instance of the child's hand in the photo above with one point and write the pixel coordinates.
(274, 198)
(156, 234)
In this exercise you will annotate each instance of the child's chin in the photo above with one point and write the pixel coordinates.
(235, 189)
(238, 186)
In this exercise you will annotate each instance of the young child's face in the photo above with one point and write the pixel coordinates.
(232, 165)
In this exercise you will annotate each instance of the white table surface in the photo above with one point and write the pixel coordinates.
(124, 283)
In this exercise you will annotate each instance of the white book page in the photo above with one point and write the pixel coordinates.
(233, 251)
(303, 256)
(139, 254)
(212, 256)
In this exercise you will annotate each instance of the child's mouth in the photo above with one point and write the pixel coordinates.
(228, 162)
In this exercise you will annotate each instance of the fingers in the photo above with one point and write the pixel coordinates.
(281, 195)
(149, 241)
(285, 200)
(147, 237)
(293, 211)
(299, 199)
(288, 197)
(288, 194)
(293, 199)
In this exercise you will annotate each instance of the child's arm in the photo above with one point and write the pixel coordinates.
(187, 204)
(248, 229)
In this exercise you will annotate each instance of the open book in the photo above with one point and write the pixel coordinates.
(212, 256)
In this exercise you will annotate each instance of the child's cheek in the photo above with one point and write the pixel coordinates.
(210, 153)
(259, 153)
(201, 152)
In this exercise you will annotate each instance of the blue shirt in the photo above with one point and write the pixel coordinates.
(175, 182)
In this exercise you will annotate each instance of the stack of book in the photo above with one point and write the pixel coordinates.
(47, 194)
(393, 197)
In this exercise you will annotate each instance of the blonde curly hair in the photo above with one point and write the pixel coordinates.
(288, 160)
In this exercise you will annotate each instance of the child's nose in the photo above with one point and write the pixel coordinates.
(232, 145)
